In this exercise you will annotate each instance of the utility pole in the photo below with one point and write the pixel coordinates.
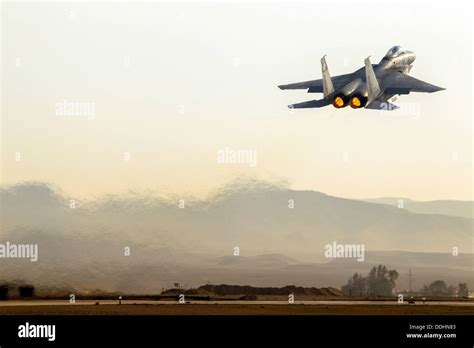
(409, 282)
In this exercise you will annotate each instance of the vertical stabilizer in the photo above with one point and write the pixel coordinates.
(373, 87)
(328, 88)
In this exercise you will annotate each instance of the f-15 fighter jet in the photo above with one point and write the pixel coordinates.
(372, 86)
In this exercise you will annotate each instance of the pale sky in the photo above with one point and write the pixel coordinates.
(174, 83)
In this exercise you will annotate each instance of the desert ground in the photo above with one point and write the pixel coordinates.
(235, 308)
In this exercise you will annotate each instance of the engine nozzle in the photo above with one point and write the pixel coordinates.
(339, 101)
(358, 101)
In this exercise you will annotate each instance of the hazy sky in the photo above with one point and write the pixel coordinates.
(173, 83)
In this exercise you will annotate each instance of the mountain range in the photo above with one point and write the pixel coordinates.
(82, 245)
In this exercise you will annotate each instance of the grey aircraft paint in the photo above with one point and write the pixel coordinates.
(370, 87)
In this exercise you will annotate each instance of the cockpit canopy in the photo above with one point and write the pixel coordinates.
(395, 51)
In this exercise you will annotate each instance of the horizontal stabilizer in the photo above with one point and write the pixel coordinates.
(384, 106)
(316, 89)
(316, 86)
(310, 104)
(301, 85)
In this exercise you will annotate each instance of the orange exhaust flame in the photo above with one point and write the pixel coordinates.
(338, 102)
(355, 103)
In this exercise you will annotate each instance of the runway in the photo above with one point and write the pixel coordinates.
(148, 302)
(167, 308)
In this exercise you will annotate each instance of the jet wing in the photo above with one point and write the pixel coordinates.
(316, 86)
(398, 83)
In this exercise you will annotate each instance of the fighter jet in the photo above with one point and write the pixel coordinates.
(373, 86)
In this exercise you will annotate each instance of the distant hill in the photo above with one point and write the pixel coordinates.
(413, 259)
(83, 247)
(267, 260)
(225, 289)
(444, 207)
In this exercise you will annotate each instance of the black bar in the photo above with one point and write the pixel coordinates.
(225, 330)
